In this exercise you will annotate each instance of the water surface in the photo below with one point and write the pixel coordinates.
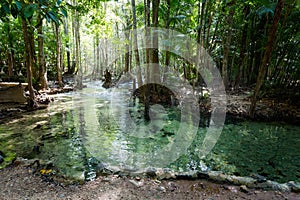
(81, 129)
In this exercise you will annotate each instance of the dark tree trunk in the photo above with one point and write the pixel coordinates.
(167, 60)
(147, 33)
(10, 54)
(243, 48)
(155, 69)
(267, 56)
(29, 59)
(136, 50)
(68, 52)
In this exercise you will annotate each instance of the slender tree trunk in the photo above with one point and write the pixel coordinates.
(201, 10)
(10, 54)
(97, 74)
(29, 60)
(76, 33)
(167, 60)
(35, 72)
(243, 48)
(78, 54)
(147, 34)
(267, 56)
(155, 69)
(10, 63)
(68, 51)
(127, 56)
(41, 55)
(136, 50)
(227, 48)
(58, 54)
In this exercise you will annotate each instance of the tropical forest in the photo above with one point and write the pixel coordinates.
(149, 99)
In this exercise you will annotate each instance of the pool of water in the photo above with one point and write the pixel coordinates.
(81, 129)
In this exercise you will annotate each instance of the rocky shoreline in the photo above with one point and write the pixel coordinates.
(254, 182)
(22, 181)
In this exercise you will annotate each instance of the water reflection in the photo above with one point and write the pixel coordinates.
(82, 129)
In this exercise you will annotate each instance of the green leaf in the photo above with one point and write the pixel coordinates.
(53, 16)
(29, 10)
(5, 7)
(48, 18)
(18, 4)
(64, 11)
(58, 3)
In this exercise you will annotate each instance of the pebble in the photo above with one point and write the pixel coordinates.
(106, 179)
(135, 183)
(162, 189)
(171, 186)
(231, 188)
(244, 189)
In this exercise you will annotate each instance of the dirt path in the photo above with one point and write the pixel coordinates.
(20, 183)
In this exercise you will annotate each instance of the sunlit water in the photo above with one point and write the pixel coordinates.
(81, 129)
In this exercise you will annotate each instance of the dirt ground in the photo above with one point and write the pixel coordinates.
(20, 183)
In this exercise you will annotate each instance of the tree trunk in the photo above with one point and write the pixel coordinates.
(78, 55)
(127, 46)
(227, 48)
(243, 48)
(58, 54)
(167, 59)
(201, 24)
(97, 58)
(267, 56)
(29, 60)
(68, 51)
(147, 33)
(136, 50)
(41, 56)
(155, 69)
(10, 54)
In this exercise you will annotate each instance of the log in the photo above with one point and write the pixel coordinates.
(13, 94)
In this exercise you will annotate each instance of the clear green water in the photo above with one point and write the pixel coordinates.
(80, 129)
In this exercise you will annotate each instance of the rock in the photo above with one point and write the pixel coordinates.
(295, 187)
(106, 179)
(237, 180)
(150, 172)
(162, 189)
(136, 183)
(259, 178)
(14, 94)
(171, 186)
(231, 188)
(202, 175)
(165, 174)
(244, 189)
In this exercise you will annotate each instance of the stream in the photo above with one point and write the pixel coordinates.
(83, 131)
